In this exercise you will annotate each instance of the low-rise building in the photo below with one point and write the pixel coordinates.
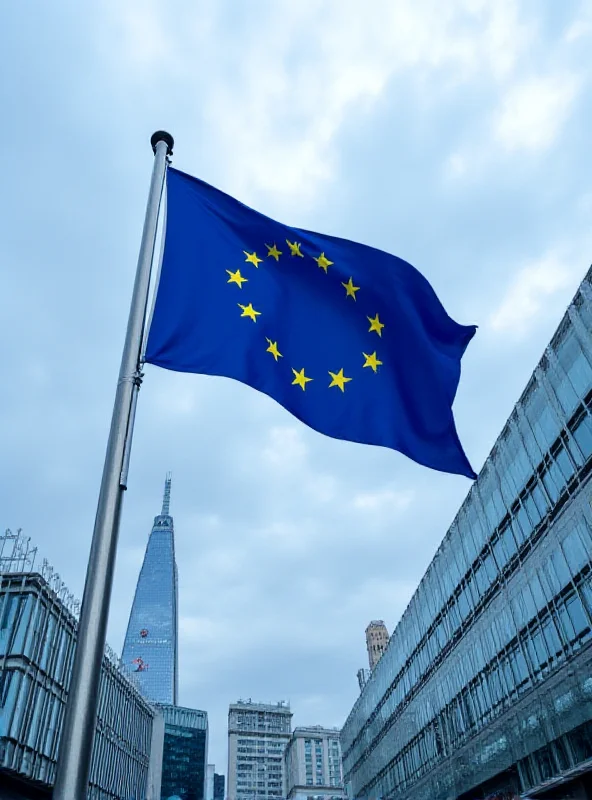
(38, 625)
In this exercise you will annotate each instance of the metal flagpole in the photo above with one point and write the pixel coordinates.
(81, 709)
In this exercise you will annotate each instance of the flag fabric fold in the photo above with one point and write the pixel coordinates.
(349, 339)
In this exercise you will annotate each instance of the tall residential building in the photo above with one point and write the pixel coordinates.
(219, 786)
(313, 765)
(38, 629)
(486, 686)
(150, 647)
(185, 754)
(257, 736)
(377, 640)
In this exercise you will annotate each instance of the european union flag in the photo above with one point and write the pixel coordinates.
(351, 340)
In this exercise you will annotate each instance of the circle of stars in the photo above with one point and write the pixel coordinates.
(338, 379)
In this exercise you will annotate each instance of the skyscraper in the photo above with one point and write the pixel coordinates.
(377, 639)
(185, 754)
(486, 686)
(257, 737)
(150, 647)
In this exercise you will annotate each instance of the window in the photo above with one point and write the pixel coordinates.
(583, 435)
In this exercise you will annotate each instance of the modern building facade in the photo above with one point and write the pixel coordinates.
(363, 676)
(219, 786)
(313, 765)
(257, 737)
(185, 754)
(211, 768)
(377, 640)
(38, 627)
(150, 647)
(486, 685)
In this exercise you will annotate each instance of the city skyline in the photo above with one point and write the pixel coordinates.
(453, 137)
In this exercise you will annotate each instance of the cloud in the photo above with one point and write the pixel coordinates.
(534, 111)
(529, 293)
(318, 112)
(383, 501)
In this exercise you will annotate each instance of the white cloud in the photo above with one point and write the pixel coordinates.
(302, 72)
(533, 112)
(285, 448)
(383, 501)
(529, 293)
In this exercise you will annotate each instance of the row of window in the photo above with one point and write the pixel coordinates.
(474, 590)
(563, 379)
(32, 702)
(557, 628)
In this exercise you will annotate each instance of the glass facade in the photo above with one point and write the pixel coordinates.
(219, 782)
(150, 647)
(185, 753)
(490, 663)
(37, 639)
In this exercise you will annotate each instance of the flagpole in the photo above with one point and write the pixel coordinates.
(79, 725)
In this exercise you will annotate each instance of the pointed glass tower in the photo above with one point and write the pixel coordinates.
(150, 647)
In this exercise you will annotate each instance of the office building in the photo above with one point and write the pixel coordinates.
(257, 736)
(377, 640)
(38, 626)
(218, 786)
(185, 754)
(150, 647)
(313, 765)
(486, 683)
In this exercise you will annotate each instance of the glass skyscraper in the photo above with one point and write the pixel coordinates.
(185, 753)
(150, 648)
(486, 684)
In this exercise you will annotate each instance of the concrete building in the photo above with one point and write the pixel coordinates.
(486, 684)
(377, 640)
(38, 626)
(150, 647)
(257, 737)
(185, 754)
(313, 765)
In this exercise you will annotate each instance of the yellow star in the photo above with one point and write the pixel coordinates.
(252, 258)
(375, 325)
(273, 349)
(273, 252)
(323, 262)
(350, 289)
(236, 277)
(300, 378)
(294, 248)
(339, 379)
(371, 361)
(249, 311)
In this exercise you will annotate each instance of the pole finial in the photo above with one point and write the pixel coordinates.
(162, 136)
(166, 500)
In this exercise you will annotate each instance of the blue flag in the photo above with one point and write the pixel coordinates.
(350, 340)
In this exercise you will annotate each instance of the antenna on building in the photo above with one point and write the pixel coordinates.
(166, 500)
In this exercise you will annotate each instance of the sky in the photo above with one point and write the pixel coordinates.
(455, 135)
